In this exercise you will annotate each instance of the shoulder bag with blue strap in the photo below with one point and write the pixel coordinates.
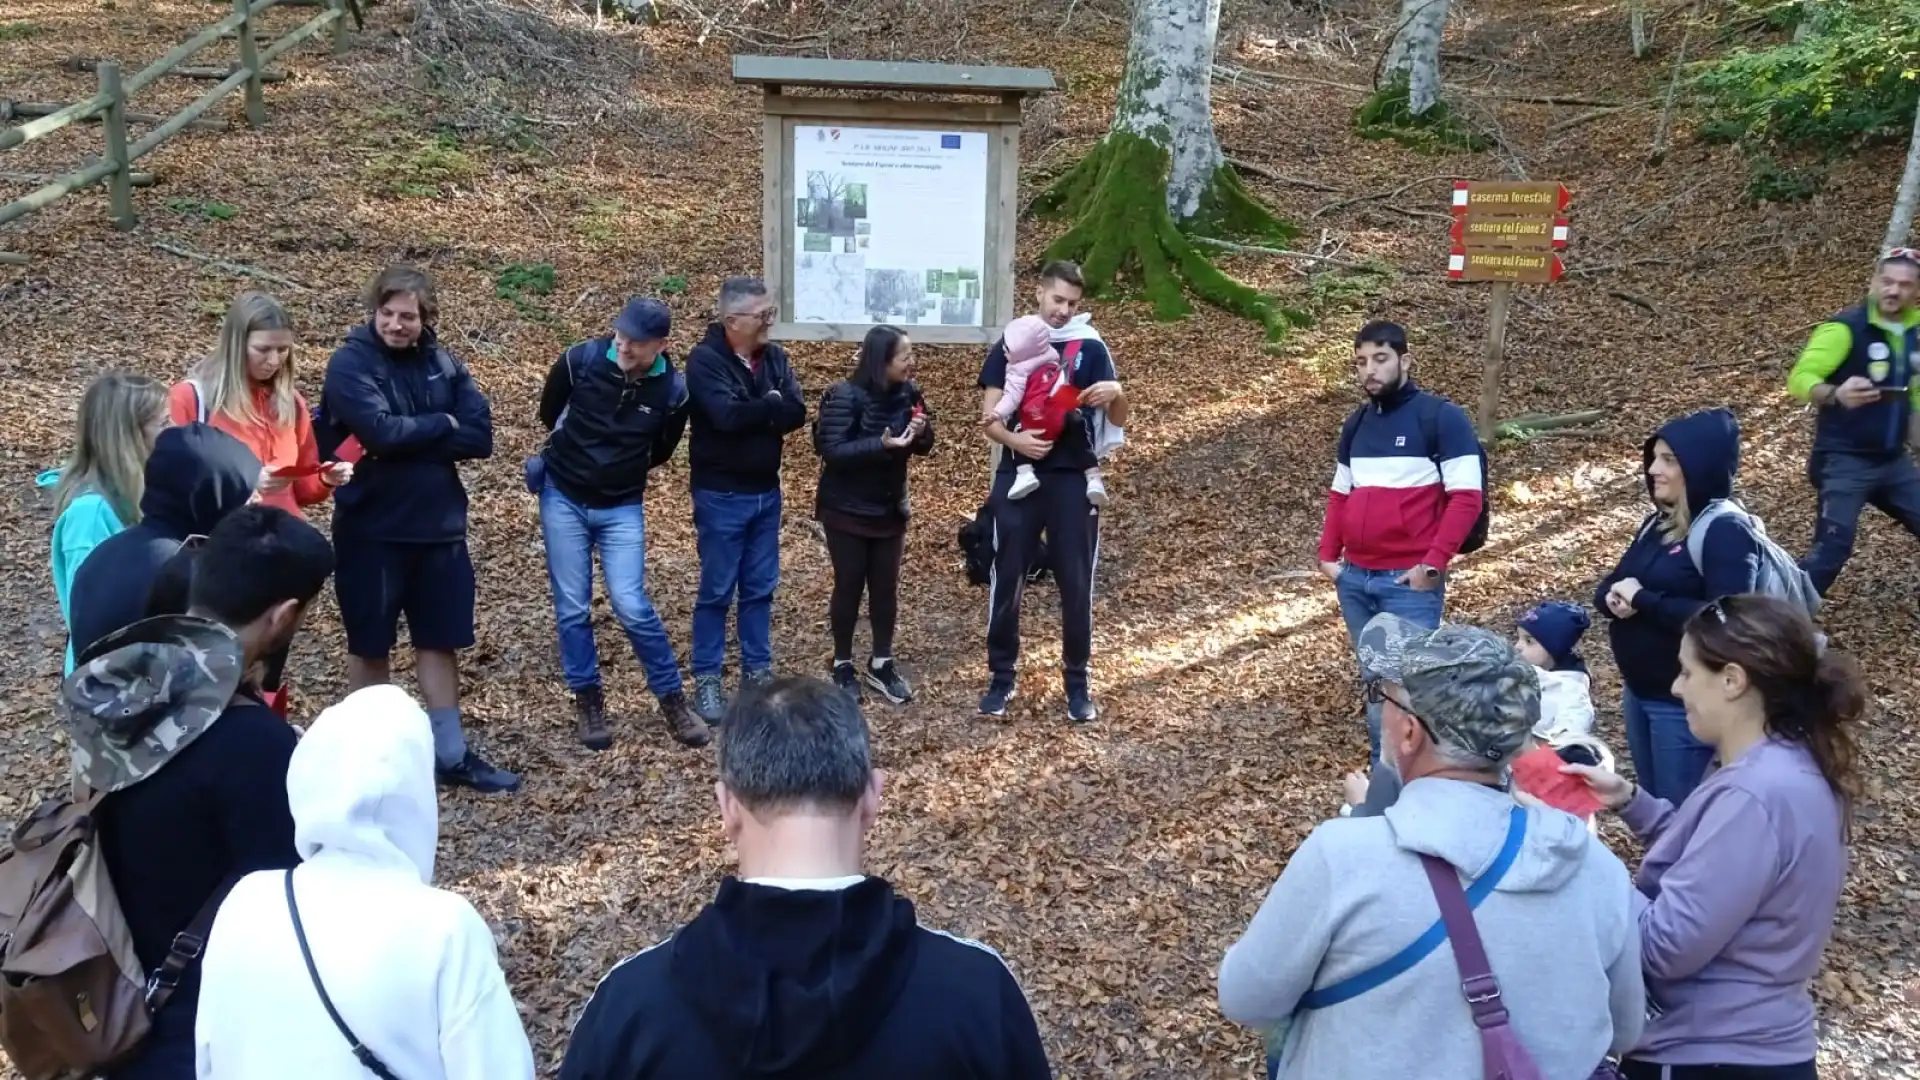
(1421, 947)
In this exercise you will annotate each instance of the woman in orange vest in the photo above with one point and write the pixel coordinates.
(245, 388)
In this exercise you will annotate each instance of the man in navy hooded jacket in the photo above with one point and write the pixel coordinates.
(805, 967)
(195, 476)
(1656, 588)
(414, 413)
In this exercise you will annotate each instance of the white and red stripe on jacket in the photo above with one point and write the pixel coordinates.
(1396, 502)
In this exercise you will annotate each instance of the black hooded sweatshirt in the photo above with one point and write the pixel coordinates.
(196, 475)
(828, 984)
(1647, 645)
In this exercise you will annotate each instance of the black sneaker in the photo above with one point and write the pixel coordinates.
(1080, 706)
(883, 676)
(994, 701)
(479, 774)
(709, 699)
(846, 679)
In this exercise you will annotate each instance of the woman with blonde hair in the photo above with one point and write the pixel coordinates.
(1648, 598)
(245, 388)
(97, 492)
(1737, 892)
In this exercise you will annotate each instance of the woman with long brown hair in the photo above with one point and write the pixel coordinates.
(97, 492)
(1737, 893)
(245, 388)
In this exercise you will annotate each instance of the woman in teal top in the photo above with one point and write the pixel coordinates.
(97, 491)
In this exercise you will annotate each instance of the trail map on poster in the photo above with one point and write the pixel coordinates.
(890, 225)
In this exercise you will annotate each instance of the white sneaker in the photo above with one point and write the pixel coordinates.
(1025, 483)
(1096, 491)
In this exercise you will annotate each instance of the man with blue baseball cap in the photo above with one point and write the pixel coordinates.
(616, 407)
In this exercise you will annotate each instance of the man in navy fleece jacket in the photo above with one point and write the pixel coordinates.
(1406, 492)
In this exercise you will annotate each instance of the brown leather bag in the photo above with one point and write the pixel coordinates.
(74, 999)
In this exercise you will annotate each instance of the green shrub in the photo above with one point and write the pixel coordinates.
(518, 283)
(425, 171)
(215, 211)
(20, 31)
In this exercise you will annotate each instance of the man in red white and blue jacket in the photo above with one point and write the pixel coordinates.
(1406, 492)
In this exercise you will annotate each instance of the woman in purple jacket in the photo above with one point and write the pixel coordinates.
(1736, 896)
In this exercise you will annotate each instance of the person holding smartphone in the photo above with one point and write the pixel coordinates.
(1857, 370)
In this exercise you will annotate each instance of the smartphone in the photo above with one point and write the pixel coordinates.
(1892, 393)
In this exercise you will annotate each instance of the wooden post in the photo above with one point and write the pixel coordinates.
(1496, 358)
(339, 25)
(120, 180)
(250, 59)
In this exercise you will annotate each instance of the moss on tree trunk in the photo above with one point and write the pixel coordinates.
(1124, 233)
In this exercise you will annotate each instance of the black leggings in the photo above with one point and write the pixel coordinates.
(870, 564)
(1646, 1070)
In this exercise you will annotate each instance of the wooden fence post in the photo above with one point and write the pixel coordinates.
(339, 25)
(120, 180)
(250, 59)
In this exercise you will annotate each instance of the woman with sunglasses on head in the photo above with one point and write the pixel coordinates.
(1736, 896)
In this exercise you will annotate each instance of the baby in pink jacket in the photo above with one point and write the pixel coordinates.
(1029, 347)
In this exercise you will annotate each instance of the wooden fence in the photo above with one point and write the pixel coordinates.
(109, 107)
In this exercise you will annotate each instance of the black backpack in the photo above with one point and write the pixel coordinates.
(976, 546)
(1430, 430)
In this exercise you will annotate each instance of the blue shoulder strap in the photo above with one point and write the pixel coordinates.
(1403, 961)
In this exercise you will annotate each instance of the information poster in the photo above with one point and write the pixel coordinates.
(890, 226)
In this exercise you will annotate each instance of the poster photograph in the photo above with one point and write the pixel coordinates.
(890, 225)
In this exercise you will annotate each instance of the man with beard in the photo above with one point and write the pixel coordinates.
(1406, 492)
(411, 412)
(1857, 369)
(192, 763)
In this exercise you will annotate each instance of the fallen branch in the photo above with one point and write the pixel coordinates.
(92, 63)
(1636, 300)
(139, 179)
(1543, 99)
(1255, 78)
(1381, 196)
(1608, 110)
(11, 258)
(1553, 421)
(11, 109)
(1253, 249)
(1588, 271)
(1278, 178)
(241, 269)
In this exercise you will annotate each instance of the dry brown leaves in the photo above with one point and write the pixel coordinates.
(1110, 865)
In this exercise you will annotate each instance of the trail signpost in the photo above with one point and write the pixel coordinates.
(1505, 233)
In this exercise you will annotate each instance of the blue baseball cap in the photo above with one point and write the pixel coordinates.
(645, 319)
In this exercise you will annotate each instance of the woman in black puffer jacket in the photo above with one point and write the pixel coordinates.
(866, 428)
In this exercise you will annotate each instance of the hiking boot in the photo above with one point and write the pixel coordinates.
(846, 678)
(709, 700)
(1080, 706)
(479, 774)
(757, 677)
(999, 692)
(686, 728)
(883, 676)
(590, 709)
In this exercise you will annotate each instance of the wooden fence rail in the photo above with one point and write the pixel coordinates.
(109, 106)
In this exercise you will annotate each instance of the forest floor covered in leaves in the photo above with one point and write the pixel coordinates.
(1110, 864)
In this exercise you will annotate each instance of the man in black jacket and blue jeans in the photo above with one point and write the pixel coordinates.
(745, 401)
(411, 412)
(617, 408)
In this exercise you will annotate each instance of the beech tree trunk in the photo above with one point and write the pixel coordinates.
(1900, 226)
(1160, 176)
(1637, 23)
(1166, 94)
(1415, 54)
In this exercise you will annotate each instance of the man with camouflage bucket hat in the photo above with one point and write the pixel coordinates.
(1354, 909)
(166, 716)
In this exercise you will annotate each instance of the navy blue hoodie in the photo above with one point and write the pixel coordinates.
(738, 431)
(812, 984)
(417, 414)
(195, 476)
(1647, 645)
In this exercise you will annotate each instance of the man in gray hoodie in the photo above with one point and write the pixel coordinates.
(1347, 957)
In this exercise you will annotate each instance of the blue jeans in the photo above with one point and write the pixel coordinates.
(1667, 760)
(1366, 593)
(738, 537)
(572, 532)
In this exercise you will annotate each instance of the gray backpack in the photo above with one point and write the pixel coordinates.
(1780, 576)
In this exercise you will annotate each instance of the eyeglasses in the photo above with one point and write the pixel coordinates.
(765, 318)
(1377, 694)
(1716, 611)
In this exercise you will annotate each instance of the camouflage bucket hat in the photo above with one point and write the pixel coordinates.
(141, 695)
(1468, 685)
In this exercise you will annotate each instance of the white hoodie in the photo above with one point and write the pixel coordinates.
(411, 969)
